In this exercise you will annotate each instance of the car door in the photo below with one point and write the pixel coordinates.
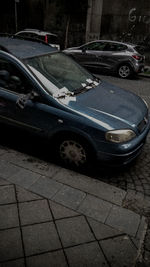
(112, 55)
(37, 115)
(85, 56)
(91, 54)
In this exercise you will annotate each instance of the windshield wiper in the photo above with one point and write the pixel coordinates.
(80, 90)
(87, 86)
(63, 95)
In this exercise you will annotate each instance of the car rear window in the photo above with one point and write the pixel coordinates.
(139, 49)
(51, 39)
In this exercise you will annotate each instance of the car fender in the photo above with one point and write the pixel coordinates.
(72, 131)
(124, 63)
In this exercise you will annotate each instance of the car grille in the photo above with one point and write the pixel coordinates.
(143, 123)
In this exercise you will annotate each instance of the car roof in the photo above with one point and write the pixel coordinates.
(23, 48)
(110, 41)
(39, 32)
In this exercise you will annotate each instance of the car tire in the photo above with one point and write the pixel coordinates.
(124, 71)
(74, 152)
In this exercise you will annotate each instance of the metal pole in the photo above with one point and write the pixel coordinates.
(16, 17)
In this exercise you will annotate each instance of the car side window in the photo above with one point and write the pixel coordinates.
(12, 79)
(111, 47)
(23, 34)
(33, 35)
(121, 47)
(98, 46)
(115, 47)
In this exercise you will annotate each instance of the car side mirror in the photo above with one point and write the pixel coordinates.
(23, 99)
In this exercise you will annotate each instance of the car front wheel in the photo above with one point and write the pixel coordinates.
(124, 71)
(74, 152)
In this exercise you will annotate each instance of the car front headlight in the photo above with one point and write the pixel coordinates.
(120, 136)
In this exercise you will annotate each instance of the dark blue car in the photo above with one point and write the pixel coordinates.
(49, 94)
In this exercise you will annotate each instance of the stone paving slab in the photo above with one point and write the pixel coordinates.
(24, 195)
(10, 244)
(39, 238)
(95, 208)
(7, 169)
(4, 182)
(86, 255)
(124, 220)
(7, 194)
(102, 231)
(45, 187)
(51, 259)
(30, 212)
(13, 263)
(8, 216)
(60, 211)
(69, 197)
(117, 248)
(24, 178)
(91, 186)
(71, 231)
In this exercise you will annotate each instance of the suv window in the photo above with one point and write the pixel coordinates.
(12, 79)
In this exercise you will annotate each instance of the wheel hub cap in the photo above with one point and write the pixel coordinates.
(73, 152)
(124, 71)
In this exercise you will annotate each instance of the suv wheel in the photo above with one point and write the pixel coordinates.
(124, 71)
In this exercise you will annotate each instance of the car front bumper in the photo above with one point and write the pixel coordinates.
(123, 154)
(119, 159)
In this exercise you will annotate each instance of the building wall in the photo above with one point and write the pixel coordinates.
(67, 19)
(94, 15)
(126, 20)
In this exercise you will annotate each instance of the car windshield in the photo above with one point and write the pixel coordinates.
(57, 71)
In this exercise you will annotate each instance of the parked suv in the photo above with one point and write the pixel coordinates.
(45, 92)
(115, 57)
(47, 37)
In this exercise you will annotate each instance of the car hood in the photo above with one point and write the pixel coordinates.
(110, 106)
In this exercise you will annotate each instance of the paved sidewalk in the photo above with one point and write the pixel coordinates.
(50, 216)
